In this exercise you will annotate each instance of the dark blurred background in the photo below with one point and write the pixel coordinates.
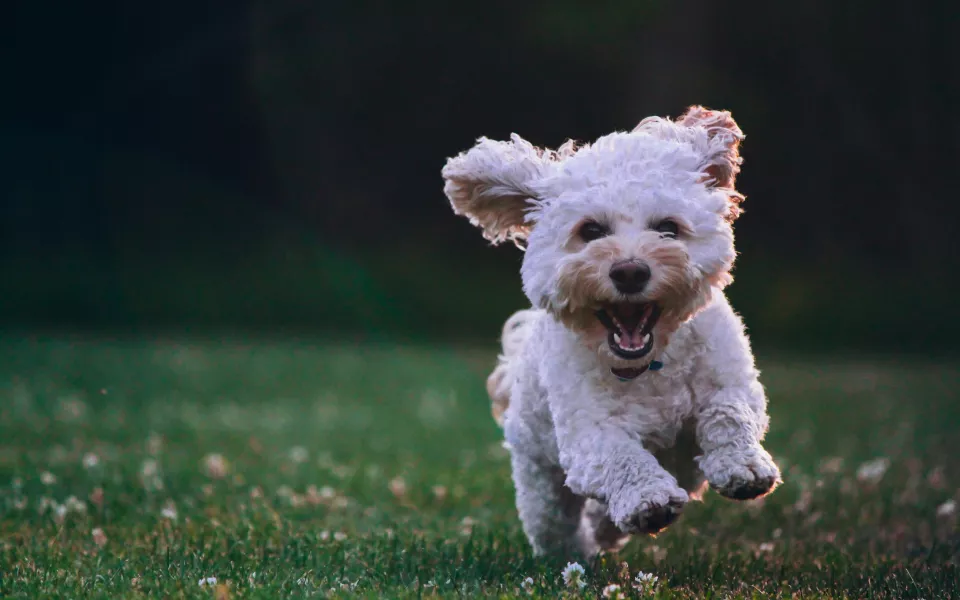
(274, 165)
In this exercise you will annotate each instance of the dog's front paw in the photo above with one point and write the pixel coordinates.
(651, 510)
(740, 473)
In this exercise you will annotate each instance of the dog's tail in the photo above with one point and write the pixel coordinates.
(515, 333)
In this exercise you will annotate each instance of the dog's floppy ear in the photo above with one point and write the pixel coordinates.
(723, 158)
(491, 184)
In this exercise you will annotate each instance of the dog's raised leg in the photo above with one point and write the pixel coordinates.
(731, 417)
(607, 461)
(730, 427)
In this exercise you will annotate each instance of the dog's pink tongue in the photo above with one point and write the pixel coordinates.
(631, 321)
(631, 339)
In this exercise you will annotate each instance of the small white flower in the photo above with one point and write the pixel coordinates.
(299, 454)
(873, 471)
(645, 581)
(215, 466)
(44, 504)
(75, 505)
(339, 536)
(398, 486)
(613, 591)
(90, 460)
(59, 513)
(527, 585)
(947, 508)
(99, 538)
(149, 468)
(169, 512)
(48, 478)
(574, 575)
(324, 535)
(205, 581)
(150, 475)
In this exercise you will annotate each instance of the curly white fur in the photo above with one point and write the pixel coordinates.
(596, 457)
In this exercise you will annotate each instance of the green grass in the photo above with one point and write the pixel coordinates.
(377, 471)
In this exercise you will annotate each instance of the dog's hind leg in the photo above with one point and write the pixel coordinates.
(514, 335)
(597, 531)
(549, 511)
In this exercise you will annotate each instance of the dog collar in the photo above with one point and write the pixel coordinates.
(630, 374)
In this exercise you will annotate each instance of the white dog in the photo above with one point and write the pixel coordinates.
(632, 383)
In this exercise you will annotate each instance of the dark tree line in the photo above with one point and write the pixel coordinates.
(185, 127)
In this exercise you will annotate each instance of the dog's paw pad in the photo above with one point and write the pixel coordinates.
(654, 515)
(655, 518)
(740, 489)
(741, 475)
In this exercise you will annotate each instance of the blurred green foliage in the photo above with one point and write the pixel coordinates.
(424, 293)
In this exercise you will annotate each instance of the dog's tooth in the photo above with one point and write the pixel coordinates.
(616, 338)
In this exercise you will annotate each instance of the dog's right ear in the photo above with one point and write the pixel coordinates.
(492, 184)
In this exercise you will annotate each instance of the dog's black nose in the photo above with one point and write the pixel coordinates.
(630, 276)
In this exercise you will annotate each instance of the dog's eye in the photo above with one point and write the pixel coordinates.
(591, 230)
(668, 228)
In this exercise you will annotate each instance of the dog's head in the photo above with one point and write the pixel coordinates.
(625, 238)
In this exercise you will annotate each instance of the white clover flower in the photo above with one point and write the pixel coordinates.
(205, 581)
(169, 512)
(90, 460)
(44, 504)
(73, 504)
(215, 466)
(527, 585)
(150, 475)
(149, 468)
(99, 538)
(645, 581)
(947, 508)
(59, 513)
(339, 536)
(574, 576)
(613, 591)
(48, 478)
(873, 471)
(299, 454)
(398, 486)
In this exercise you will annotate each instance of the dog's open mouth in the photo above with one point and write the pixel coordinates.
(630, 327)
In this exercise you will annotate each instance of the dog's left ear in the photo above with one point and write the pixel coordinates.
(723, 159)
(493, 185)
(720, 150)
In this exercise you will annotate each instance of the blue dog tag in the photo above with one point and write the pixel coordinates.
(655, 365)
